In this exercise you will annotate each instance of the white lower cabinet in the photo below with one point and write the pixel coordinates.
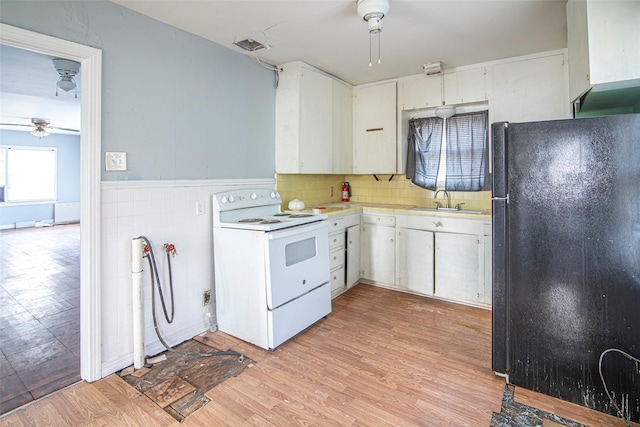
(440, 256)
(344, 252)
(353, 255)
(459, 273)
(488, 264)
(378, 248)
(415, 260)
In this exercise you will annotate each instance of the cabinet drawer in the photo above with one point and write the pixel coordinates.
(336, 224)
(389, 221)
(336, 241)
(336, 258)
(337, 280)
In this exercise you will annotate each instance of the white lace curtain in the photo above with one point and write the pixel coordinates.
(466, 154)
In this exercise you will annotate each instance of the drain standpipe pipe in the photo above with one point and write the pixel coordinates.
(137, 277)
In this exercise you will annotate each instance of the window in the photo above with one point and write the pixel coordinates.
(28, 174)
(451, 153)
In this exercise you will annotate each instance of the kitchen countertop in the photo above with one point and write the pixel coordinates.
(340, 208)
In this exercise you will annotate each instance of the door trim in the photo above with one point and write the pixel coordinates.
(90, 146)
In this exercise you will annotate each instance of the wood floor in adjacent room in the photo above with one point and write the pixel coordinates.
(380, 358)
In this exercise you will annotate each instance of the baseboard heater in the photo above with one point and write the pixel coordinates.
(65, 213)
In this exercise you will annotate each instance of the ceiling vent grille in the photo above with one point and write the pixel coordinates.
(249, 45)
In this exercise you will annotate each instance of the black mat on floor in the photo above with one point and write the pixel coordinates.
(179, 383)
(514, 414)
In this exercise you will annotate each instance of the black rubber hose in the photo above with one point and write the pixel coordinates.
(154, 272)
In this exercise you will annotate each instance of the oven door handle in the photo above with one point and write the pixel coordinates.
(297, 230)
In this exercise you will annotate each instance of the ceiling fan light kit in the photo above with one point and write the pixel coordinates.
(373, 11)
(41, 128)
(67, 70)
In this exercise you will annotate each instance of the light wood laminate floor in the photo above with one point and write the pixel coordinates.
(380, 358)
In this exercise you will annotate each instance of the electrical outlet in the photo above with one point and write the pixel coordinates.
(206, 298)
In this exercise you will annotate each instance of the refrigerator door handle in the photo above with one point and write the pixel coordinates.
(506, 199)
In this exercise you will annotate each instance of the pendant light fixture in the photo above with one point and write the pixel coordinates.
(67, 70)
(373, 11)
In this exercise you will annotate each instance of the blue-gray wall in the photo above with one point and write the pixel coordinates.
(68, 168)
(181, 107)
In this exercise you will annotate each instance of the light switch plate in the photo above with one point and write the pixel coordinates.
(115, 161)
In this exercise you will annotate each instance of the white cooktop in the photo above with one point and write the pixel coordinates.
(255, 209)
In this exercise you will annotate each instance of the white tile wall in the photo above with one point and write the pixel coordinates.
(164, 212)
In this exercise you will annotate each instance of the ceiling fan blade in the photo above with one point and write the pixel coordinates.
(64, 129)
(15, 124)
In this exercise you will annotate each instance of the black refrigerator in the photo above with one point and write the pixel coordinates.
(566, 259)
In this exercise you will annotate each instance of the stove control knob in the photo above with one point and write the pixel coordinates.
(231, 199)
(224, 199)
(254, 196)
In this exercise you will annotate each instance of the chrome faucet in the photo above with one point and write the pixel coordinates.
(446, 195)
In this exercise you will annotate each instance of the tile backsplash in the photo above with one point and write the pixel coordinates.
(315, 190)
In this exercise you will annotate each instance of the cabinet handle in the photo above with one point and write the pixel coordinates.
(375, 129)
(390, 240)
(437, 224)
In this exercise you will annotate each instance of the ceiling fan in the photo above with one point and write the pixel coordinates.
(41, 127)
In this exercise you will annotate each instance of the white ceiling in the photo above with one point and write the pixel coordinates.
(330, 35)
(327, 34)
(28, 90)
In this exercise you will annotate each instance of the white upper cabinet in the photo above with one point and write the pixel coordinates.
(460, 87)
(308, 119)
(375, 129)
(421, 91)
(342, 128)
(530, 90)
(603, 41)
(466, 86)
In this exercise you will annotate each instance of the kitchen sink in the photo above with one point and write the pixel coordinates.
(448, 210)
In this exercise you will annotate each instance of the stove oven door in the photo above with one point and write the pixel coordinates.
(298, 262)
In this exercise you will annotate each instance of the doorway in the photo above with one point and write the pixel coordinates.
(90, 146)
(40, 300)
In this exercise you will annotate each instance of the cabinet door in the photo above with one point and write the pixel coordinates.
(465, 86)
(375, 134)
(457, 266)
(531, 90)
(378, 253)
(488, 271)
(415, 260)
(316, 133)
(342, 129)
(353, 255)
(421, 92)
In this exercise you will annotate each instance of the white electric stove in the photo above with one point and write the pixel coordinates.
(271, 268)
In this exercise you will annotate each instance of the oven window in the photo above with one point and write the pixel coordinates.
(299, 251)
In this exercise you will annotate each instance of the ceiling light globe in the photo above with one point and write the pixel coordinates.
(66, 84)
(40, 132)
(445, 111)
